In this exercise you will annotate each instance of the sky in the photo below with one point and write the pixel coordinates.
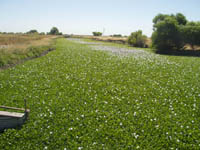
(85, 16)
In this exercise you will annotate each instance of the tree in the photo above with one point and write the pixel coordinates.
(97, 33)
(159, 17)
(192, 23)
(167, 35)
(54, 31)
(32, 32)
(191, 34)
(42, 33)
(137, 39)
(181, 19)
(167, 31)
(117, 35)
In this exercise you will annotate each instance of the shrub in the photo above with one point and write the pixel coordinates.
(137, 39)
(97, 33)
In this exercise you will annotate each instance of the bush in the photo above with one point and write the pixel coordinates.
(97, 33)
(137, 39)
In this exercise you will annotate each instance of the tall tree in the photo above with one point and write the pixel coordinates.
(54, 31)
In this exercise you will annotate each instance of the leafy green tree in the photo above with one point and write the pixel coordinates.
(54, 31)
(167, 31)
(97, 33)
(60, 33)
(137, 39)
(42, 33)
(117, 35)
(166, 35)
(32, 32)
(192, 23)
(191, 34)
(159, 17)
(181, 19)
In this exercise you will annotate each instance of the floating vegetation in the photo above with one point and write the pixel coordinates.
(82, 98)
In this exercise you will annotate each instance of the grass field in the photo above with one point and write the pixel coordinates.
(89, 99)
(17, 47)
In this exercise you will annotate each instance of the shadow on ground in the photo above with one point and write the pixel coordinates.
(191, 53)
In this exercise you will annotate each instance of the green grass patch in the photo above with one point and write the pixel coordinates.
(85, 99)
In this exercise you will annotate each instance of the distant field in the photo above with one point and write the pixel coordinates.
(16, 47)
(87, 96)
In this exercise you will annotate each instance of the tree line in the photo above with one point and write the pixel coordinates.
(170, 32)
(173, 32)
(53, 31)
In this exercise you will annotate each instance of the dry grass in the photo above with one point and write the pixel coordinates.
(188, 47)
(11, 43)
(104, 38)
(16, 47)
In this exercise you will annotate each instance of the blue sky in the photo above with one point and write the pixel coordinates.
(86, 16)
